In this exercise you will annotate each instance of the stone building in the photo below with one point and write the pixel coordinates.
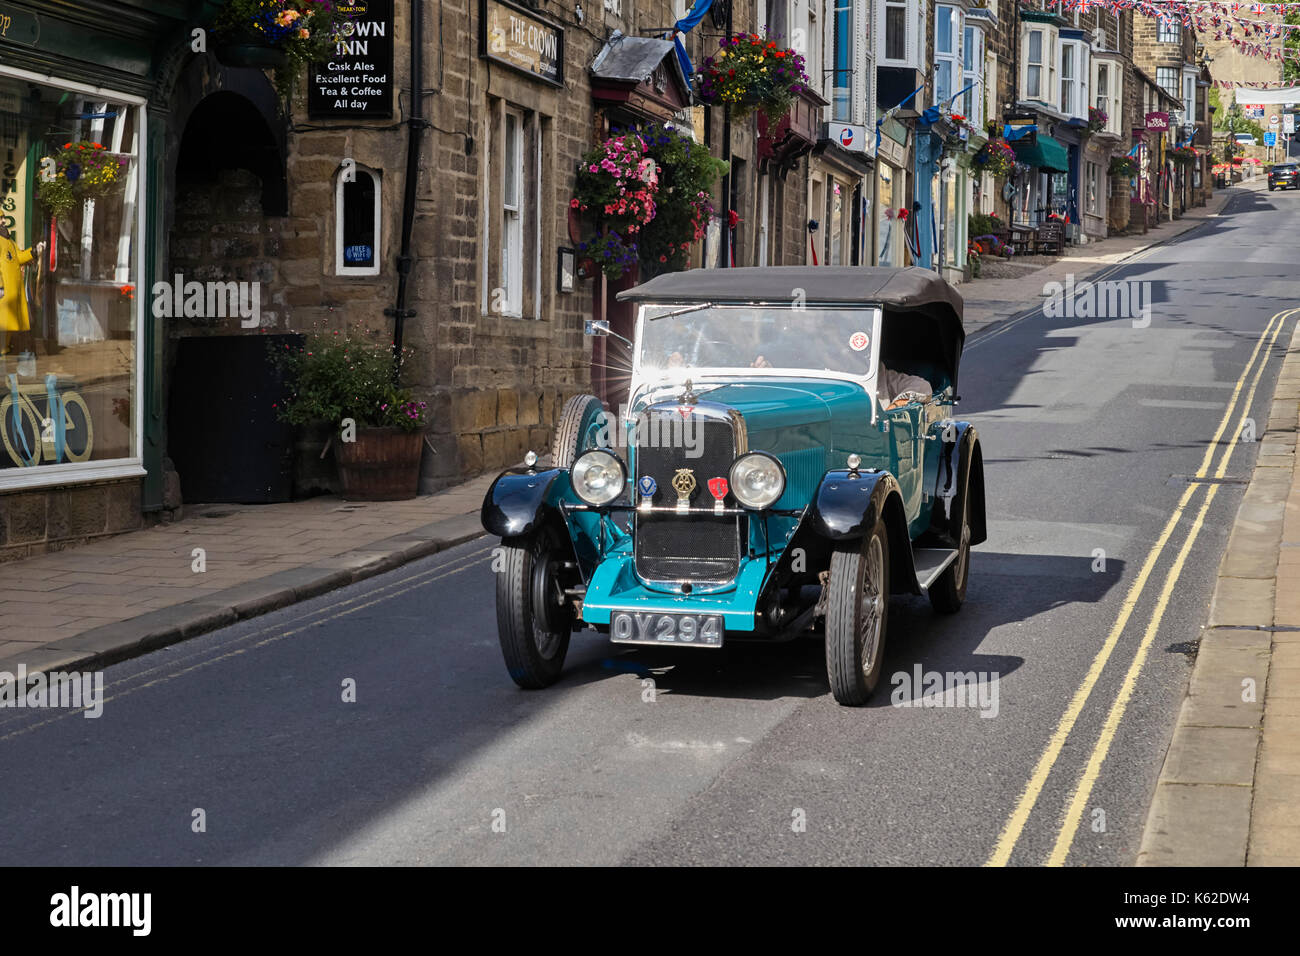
(1166, 52)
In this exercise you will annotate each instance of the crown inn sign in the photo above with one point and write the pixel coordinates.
(521, 40)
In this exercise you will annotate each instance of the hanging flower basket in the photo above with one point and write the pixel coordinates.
(996, 157)
(279, 35)
(644, 197)
(1123, 166)
(1185, 155)
(82, 170)
(752, 72)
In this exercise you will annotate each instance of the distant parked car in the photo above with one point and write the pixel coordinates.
(1244, 139)
(1284, 176)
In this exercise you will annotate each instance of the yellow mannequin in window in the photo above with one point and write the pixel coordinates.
(13, 300)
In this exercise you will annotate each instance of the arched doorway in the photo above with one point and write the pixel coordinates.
(231, 197)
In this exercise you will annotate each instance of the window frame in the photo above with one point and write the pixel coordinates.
(1168, 30)
(341, 268)
(512, 215)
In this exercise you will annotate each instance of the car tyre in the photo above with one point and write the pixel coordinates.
(857, 615)
(1270, 187)
(534, 620)
(577, 430)
(948, 594)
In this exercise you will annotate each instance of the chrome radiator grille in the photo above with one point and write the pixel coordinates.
(699, 545)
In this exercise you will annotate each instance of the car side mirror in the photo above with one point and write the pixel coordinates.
(600, 327)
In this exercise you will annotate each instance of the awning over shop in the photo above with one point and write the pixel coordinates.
(1046, 154)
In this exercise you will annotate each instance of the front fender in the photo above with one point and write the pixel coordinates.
(514, 503)
(847, 506)
(847, 503)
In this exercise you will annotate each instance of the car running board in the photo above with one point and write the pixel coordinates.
(930, 563)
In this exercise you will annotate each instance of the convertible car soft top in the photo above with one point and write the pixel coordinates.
(922, 312)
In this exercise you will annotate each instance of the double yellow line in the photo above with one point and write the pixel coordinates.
(1015, 823)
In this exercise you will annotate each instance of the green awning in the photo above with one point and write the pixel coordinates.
(1046, 154)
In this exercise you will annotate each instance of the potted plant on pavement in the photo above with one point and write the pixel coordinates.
(345, 379)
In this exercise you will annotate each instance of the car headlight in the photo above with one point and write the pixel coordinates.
(757, 480)
(598, 477)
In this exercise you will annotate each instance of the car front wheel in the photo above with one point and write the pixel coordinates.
(857, 611)
(534, 617)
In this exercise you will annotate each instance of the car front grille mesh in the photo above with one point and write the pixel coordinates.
(698, 546)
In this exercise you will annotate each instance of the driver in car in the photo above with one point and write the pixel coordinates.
(896, 389)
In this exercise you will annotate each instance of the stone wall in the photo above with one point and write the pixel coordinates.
(53, 518)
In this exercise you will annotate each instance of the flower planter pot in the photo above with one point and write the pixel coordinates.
(383, 464)
(258, 56)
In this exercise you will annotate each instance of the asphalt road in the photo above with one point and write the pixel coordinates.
(1091, 428)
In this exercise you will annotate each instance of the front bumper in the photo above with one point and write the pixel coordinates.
(614, 587)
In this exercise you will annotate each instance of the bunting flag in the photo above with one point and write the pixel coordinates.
(1226, 21)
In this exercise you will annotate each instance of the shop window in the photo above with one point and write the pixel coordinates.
(69, 267)
(357, 223)
(1093, 185)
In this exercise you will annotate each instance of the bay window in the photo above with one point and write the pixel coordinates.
(972, 56)
(1039, 80)
(899, 33)
(1107, 85)
(842, 75)
(947, 30)
(1074, 79)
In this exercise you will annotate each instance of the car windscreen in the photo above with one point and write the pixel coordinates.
(757, 336)
(1290, 168)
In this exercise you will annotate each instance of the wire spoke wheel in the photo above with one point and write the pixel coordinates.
(857, 616)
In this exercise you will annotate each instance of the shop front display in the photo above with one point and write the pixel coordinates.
(69, 273)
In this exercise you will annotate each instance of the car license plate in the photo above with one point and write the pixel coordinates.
(693, 630)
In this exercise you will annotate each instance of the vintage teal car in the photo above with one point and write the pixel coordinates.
(764, 480)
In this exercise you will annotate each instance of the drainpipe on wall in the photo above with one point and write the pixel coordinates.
(416, 125)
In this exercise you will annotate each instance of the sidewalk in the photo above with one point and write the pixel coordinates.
(1229, 790)
(118, 597)
(992, 300)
